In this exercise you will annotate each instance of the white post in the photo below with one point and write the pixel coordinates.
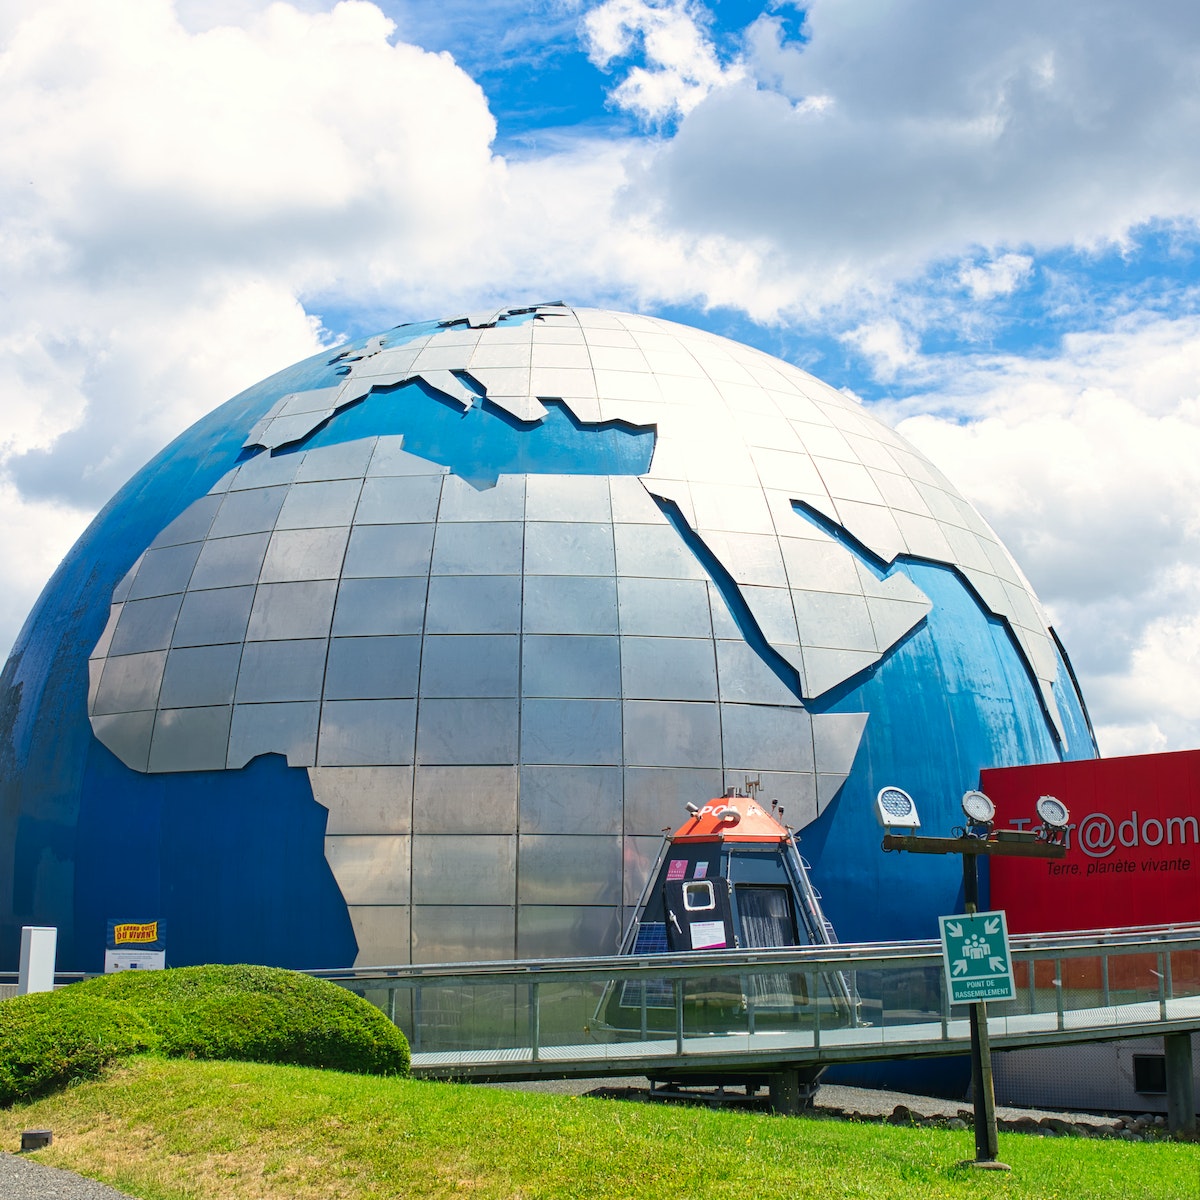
(39, 946)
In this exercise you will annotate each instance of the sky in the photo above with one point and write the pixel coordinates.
(981, 219)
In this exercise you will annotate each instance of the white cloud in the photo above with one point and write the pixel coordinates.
(682, 64)
(893, 137)
(886, 343)
(1088, 466)
(998, 277)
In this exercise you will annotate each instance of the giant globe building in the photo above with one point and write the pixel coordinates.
(411, 651)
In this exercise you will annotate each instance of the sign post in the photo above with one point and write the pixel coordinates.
(984, 975)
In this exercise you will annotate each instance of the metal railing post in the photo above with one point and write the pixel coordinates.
(535, 1020)
(1058, 993)
(678, 1016)
(945, 1007)
(816, 995)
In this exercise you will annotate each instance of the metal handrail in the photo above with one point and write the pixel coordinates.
(840, 957)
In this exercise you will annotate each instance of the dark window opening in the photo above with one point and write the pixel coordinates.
(1150, 1074)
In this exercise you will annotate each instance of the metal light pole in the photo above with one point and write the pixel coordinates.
(1008, 844)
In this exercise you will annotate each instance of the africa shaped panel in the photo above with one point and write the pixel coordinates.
(196, 676)
(370, 869)
(254, 510)
(568, 869)
(130, 682)
(230, 562)
(568, 799)
(372, 668)
(563, 931)
(367, 733)
(446, 933)
(164, 571)
(289, 729)
(190, 739)
(448, 869)
(380, 607)
(285, 670)
(382, 551)
(465, 799)
(443, 727)
(300, 554)
(470, 665)
(383, 935)
(364, 799)
(292, 610)
(145, 625)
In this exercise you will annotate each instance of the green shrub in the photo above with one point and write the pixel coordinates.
(258, 1014)
(49, 1039)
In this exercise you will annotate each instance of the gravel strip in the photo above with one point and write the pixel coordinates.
(901, 1108)
(24, 1178)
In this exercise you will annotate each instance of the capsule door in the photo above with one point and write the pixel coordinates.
(698, 914)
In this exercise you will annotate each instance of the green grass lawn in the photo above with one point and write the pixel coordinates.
(166, 1129)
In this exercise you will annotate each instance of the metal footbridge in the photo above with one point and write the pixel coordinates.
(763, 1010)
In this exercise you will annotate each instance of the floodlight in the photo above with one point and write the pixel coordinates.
(1053, 812)
(978, 808)
(896, 809)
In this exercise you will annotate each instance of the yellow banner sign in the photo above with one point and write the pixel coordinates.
(138, 934)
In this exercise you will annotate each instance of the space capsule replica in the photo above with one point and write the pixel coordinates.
(730, 877)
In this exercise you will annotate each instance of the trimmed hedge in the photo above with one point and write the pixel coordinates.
(51, 1039)
(245, 1013)
(258, 1014)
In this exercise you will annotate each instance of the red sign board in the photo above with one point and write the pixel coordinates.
(1133, 853)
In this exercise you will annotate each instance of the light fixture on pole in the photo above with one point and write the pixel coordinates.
(896, 809)
(980, 813)
(1055, 819)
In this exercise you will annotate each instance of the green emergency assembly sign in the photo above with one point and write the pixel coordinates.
(975, 953)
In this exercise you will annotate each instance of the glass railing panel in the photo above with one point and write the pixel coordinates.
(455, 1016)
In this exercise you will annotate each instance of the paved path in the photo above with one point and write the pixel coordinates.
(24, 1178)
